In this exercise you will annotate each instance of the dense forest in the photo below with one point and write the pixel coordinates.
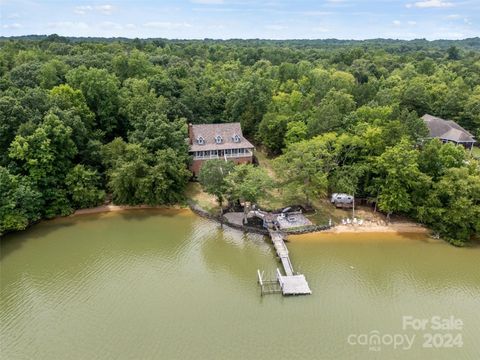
(83, 118)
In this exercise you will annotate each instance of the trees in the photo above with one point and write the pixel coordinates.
(248, 102)
(331, 112)
(12, 115)
(304, 167)
(20, 203)
(296, 131)
(436, 158)
(156, 132)
(399, 180)
(136, 176)
(100, 89)
(271, 132)
(83, 187)
(248, 183)
(452, 207)
(45, 157)
(212, 177)
(61, 102)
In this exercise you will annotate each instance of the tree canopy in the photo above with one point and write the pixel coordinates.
(80, 118)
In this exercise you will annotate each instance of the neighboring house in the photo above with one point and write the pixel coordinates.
(218, 141)
(448, 131)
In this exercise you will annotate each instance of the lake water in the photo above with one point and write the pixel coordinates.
(170, 285)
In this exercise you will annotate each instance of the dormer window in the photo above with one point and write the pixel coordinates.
(236, 138)
(218, 139)
(200, 140)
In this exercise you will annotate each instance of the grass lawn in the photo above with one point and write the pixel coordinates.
(324, 210)
(195, 194)
(476, 152)
(276, 199)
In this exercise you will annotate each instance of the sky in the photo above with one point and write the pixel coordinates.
(225, 19)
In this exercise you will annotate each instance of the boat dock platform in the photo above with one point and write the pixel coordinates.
(288, 284)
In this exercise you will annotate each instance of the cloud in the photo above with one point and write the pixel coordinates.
(167, 25)
(207, 2)
(396, 22)
(12, 26)
(275, 27)
(105, 9)
(454, 16)
(68, 25)
(82, 10)
(411, 22)
(320, 29)
(430, 4)
(315, 13)
(111, 25)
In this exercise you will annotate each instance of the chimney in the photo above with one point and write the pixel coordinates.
(190, 133)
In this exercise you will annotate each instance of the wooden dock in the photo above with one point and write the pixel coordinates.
(290, 283)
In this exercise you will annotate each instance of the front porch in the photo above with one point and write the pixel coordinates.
(218, 154)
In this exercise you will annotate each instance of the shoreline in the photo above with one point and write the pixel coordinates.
(117, 208)
(403, 227)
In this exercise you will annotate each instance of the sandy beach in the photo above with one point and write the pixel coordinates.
(403, 227)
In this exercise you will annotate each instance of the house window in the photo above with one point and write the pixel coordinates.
(200, 140)
(236, 138)
(218, 139)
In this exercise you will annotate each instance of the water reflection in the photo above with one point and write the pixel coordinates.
(156, 284)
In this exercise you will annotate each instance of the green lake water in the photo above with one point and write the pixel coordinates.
(170, 285)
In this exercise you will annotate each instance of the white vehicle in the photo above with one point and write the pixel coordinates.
(341, 199)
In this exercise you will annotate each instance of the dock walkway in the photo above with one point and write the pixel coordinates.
(290, 283)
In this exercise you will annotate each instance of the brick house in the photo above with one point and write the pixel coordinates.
(218, 141)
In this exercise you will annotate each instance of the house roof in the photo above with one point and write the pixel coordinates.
(209, 131)
(447, 129)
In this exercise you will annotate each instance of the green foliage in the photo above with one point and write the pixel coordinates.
(296, 131)
(305, 166)
(62, 102)
(331, 112)
(83, 187)
(100, 89)
(453, 206)
(20, 203)
(399, 178)
(12, 115)
(136, 176)
(436, 158)
(271, 132)
(248, 102)
(213, 175)
(248, 183)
